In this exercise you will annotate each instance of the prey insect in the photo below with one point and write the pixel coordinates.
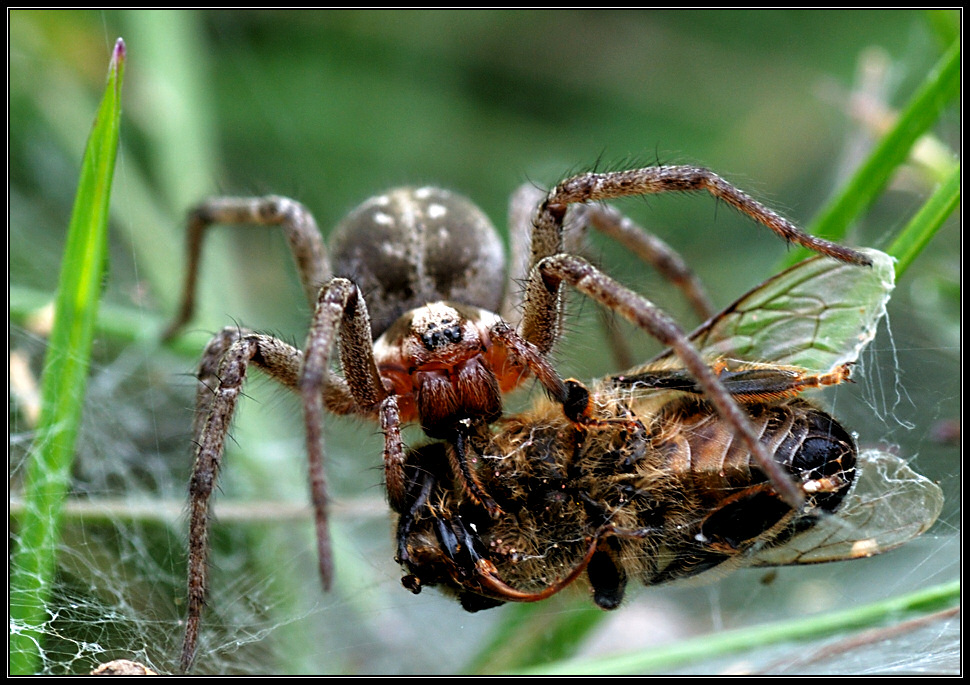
(415, 293)
(654, 486)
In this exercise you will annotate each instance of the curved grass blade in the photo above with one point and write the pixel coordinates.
(940, 88)
(928, 220)
(48, 467)
(922, 601)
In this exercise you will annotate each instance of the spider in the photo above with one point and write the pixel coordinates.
(416, 293)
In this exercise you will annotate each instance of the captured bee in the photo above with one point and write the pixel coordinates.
(642, 480)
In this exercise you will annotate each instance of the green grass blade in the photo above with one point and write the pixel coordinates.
(945, 24)
(118, 323)
(922, 227)
(924, 601)
(48, 469)
(941, 86)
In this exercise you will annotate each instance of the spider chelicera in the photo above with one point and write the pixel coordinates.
(415, 290)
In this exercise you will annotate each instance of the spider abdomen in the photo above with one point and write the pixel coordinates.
(411, 246)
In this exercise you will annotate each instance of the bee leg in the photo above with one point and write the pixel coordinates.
(458, 544)
(743, 518)
(420, 482)
(576, 406)
(470, 569)
(747, 382)
(456, 554)
(491, 584)
(579, 411)
(459, 458)
(606, 577)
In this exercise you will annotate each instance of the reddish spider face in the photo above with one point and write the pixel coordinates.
(443, 365)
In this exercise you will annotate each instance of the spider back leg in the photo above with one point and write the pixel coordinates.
(292, 217)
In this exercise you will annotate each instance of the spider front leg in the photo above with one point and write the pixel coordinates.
(340, 313)
(341, 307)
(540, 321)
(649, 248)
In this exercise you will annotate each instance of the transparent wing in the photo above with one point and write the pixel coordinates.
(818, 315)
(888, 505)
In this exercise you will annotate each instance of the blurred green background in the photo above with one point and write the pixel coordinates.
(330, 107)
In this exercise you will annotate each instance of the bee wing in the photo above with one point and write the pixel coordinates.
(818, 315)
(888, 505)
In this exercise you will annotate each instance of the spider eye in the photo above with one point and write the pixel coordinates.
(438, 335)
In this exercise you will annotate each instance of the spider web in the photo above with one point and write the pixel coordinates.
(120, 585)
(118, 578)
